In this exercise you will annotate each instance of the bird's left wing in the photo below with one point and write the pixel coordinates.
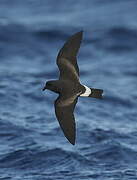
(64, 108)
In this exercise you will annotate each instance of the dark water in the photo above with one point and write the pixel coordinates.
(32, 145)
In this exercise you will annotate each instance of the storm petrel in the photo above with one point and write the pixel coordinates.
(69, 86)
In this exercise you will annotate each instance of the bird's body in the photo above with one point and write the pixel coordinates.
(69, 87)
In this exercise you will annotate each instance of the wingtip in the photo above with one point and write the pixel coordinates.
(80, 33)
(72, 142)
(71, 139)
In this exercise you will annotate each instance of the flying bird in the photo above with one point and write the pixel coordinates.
(69, 86)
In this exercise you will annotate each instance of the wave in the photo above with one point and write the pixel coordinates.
(106, 149)
(115, 39)
(16, 32)
(36, 158)
(51, 34)
(109, 146)
(119, 101)
(13, 32)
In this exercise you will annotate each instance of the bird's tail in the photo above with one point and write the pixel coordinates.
(96, 93)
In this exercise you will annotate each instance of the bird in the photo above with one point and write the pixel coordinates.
(69, 87)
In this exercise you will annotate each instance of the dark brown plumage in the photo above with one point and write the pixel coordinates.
(69, 87)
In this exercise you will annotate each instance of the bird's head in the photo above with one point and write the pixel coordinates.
(50, 85)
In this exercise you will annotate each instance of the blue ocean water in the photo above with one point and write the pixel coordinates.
(32, 145)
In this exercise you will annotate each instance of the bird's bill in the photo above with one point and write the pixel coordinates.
(44, 88)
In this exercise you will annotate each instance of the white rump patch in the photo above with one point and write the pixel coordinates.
(87, 92)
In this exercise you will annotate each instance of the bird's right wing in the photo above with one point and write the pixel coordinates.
(64, 108)
(66, 59)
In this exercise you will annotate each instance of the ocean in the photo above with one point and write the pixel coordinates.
(32, 145)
